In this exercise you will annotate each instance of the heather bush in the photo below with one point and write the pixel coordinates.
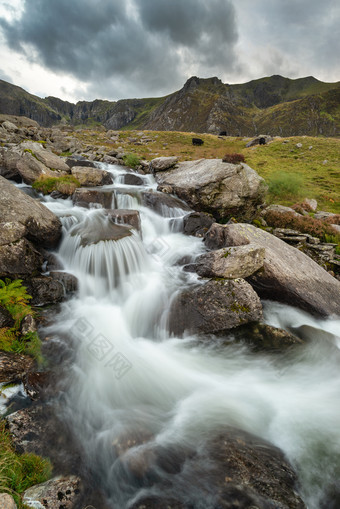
(233, 158)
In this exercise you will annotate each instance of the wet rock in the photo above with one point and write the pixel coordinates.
(84, 197)
(126, 217)
(265, 338)
(19, 258)
(288, 275)
(222, 189)
(35, 383)
(14, 366)
(132, 180)
(59, 492)
(161, 202)
(41, 225)
(162, 163)
(6, 319)
(69, 281)
(44, 290)
(158, 502)
(231, 262)
(71, 163)
(89, 177)
(214, 307)
(197, 223)
(7, 501)
(97, 232)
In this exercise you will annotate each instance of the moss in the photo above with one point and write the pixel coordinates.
(65, 185)
(238, 308)
(31, 152)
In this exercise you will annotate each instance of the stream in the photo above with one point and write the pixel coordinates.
(130, 378)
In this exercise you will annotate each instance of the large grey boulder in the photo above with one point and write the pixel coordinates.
(89, 177)
(85, 197)
(59, 492)
(27, 217)
(162, 163)
(231, 262)
(30, 169)
(288, 275)
(210, 185)
(215, 306)
(45, 156)
(19, 258)
(162, 202)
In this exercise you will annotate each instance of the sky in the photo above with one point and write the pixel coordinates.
(116, 49)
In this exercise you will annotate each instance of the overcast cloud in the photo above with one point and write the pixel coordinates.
(137, 48)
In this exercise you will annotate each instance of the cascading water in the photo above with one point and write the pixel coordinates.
(130, 379)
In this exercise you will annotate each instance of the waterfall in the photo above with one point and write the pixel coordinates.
(130, 379)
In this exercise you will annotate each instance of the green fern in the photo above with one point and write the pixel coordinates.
(14, 298)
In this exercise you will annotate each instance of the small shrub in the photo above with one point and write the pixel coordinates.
(304, 224)
(333, 219)
(131, 160)
(65, 185)
(233, 158)
(285, 185)
(302, 207)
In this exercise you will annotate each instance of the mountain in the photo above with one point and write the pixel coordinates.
(272, 105)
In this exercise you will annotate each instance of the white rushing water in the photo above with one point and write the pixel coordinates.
(129, 377)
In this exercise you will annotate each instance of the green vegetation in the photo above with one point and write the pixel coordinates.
(15, 299)
(285, 186)
(19, 472)
(233, 157)
(131, 160)
(65, 185)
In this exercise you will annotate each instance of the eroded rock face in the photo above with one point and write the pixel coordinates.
(231, 262)
(222, 189)
(91, 176)
(214, 307)
(288, 275)
(31, 217)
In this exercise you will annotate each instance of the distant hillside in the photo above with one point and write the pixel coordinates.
(272, 105)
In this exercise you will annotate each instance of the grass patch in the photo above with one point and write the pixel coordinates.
(15, 299)
(65, 185)
(19, 472)
(131, 160)
(285, 186)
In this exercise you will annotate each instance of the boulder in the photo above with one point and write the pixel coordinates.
(19, 258)
(265, 338)
(288, 275)
(69, 281)
(7, 501)
(210, 185)
(9, 126)
(28, 324)
(130, 179)
(8, 165)
(44, 290)
(162, 202)
(162, 163)
(197, 223)
(71, 163)
(89, 177)
(233, 469)
(97, 232)
(262, 139)
(14, 366)
(59, 492)
(30, 169)
(231, 262)
(84, 197)
(46, 157)
(281, 209)
(126, 216)
(311, 203)
(28, 216)
(215, 306)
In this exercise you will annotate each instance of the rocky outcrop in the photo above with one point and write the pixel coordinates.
(214, 307)
(89, 177)
(44, 290)
(222, 189)
(14, 366)
(30, 169)
(26, 217)
(19, 259)
(197, 223)
(231, 262)
(288, 275)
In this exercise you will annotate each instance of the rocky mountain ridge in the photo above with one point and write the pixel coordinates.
(275, 105)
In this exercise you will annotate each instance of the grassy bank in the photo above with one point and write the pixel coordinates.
(315, 171)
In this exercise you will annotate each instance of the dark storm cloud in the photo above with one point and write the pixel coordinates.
(110, 44)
